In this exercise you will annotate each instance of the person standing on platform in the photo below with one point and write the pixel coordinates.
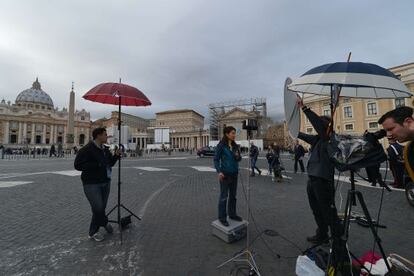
(226, 161)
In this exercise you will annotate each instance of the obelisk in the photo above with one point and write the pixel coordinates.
(71, 116)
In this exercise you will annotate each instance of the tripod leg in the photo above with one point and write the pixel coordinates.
(336, 258)
(130, 212)
(111, 210)
(373, 230)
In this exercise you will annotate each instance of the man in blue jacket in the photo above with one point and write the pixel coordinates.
(226, 162)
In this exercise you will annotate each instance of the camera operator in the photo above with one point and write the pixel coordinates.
(399, 125)
(320, 189)
(226, 162)
(96, 162)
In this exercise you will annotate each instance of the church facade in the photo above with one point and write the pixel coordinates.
(33, 121)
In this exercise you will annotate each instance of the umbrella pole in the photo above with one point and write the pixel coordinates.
(119, 168)
(118, 206)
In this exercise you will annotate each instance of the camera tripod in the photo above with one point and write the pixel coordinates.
(352, 197)
(246, 256)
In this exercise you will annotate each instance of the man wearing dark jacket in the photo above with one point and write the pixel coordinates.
(96, 162)
(320, 189)
(299, 154)
(254, 154)
(396, 159)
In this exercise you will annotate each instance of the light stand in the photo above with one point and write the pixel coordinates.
(246, 256)
(118, 206)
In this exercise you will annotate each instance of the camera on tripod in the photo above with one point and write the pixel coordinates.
(250, 124)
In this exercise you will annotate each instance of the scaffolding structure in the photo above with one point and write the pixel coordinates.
(216, 110)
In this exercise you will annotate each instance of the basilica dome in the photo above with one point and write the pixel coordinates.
(34, 95)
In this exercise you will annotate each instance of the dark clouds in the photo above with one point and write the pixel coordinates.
(188, 53)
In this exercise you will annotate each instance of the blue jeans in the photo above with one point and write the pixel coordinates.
(97, 195)
(228, 191)
(253, 165)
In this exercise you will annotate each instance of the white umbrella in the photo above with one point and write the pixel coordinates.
(354, 79)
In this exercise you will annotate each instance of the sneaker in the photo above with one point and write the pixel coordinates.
(236, 218)
(109, 229)
(97, 237)
(260, 172)
(224, 222)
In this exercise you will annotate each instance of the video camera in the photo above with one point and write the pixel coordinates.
(250, 124)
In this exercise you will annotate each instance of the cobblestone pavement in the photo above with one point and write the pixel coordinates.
(45, 219)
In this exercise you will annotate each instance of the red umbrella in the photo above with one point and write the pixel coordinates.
(118, 94)
(110, 93)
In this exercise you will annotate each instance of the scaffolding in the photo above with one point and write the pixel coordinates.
(218, 109)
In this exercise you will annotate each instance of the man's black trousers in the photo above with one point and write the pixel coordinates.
(321, 195)
(302, 168)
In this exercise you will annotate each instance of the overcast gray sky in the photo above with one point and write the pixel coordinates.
(188, 53)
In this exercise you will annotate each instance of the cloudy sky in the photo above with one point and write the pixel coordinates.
(189, 53)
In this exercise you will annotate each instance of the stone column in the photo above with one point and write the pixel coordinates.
(52, 128)
(44, 134)
(19, 136)
(6, 132)
(145, 143)
(32, 141)
(24, 133)
(88, 137)
(64, 135)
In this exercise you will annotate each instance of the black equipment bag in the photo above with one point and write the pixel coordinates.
(350, 153)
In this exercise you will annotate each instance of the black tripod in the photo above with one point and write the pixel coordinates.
(120, 221)
(351, 200)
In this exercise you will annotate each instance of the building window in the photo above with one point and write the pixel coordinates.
(348, 111)
(309, 130)
(38, 139)
(13, 139)
(349, 127)
(399, 102)
(372, 125)
(372, 108)
(82, 118)
(82, 139)
(326, 112)
(347, 100)
(47, 141)
(60, 139)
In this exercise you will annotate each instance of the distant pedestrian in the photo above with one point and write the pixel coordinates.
(96, 162)
(254, 154)
(396, 159)
(276, 164)
(299, 152)
(374, 175)
(60, 150)
(269, 157)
